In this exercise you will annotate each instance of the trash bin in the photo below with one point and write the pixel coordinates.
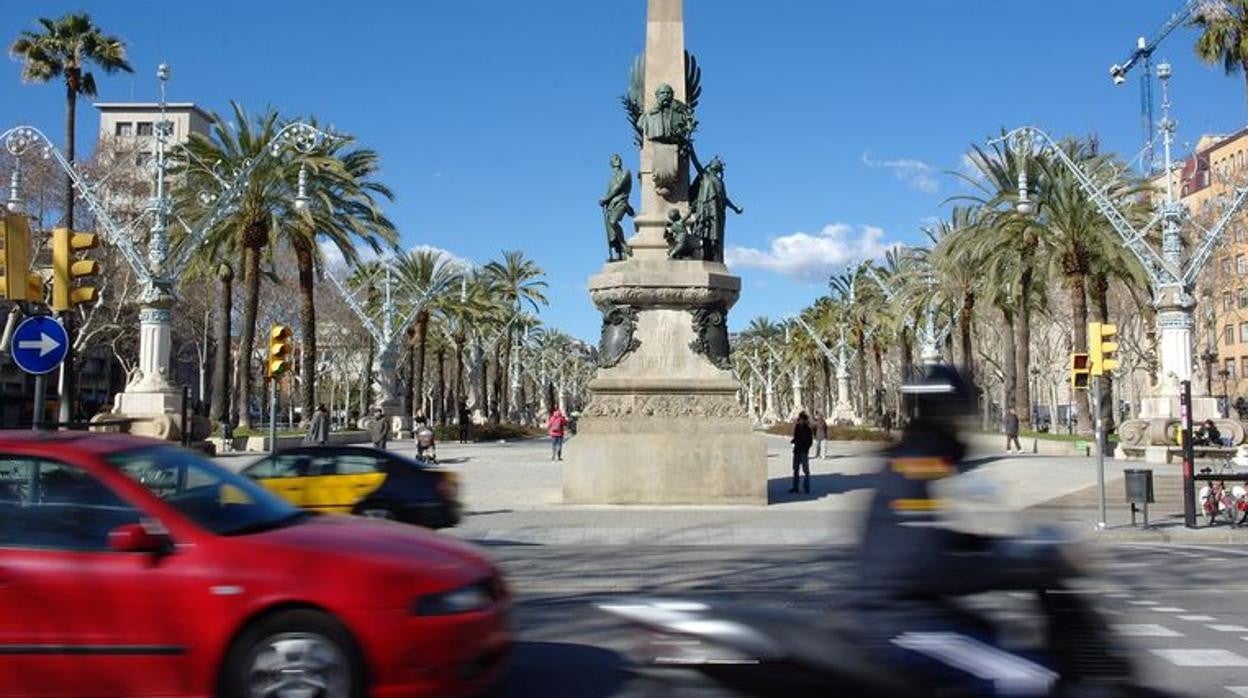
(1139, 490)
(1139, 486)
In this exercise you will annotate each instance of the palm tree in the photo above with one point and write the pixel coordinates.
(1224, 35)
(419, 273)
(343, 212)
(1014, 236)
(266, 207)
(221, 369)
(958, 264)
(66, 48)
(519, 280)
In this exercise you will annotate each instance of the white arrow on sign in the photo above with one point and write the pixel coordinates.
(44, 344)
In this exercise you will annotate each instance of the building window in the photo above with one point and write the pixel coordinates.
(1228, 300)
(1230, 368)
(1241, 265)
(142, 159)
(145, 128)
(1243, 365)
(125, 128)
(1226, 268)
(1239, 233)
(1243, 332)
(1243, 298)
(1228, 335)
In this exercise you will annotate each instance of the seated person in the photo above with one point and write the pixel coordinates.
(1207, 434)
(426, 447)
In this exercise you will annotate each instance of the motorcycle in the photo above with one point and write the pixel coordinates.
(770, 651)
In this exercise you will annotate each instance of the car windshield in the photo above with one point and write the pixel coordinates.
(211, 496)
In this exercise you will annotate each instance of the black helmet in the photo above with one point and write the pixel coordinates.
(942, 393)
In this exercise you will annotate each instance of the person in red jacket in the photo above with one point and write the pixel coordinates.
(556, 426)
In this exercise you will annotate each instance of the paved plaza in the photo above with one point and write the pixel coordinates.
(512, 492)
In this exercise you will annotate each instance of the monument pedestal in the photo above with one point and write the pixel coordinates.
(664, 425)
(1157, 428)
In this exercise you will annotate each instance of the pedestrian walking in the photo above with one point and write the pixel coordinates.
(886, 422)
(318, 428)
(555, 426)
(1011, 431)
(802, 439)
(379, 430)
(465, 420)
(820, 427)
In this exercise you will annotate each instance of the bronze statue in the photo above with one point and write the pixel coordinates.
(710, 329)
(614, 207)
(709, 205)
(669, 120)
(618, 324)
(682, 243)
(668, 126)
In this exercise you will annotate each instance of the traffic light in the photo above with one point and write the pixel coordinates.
(66, 270)
(17, 283)
(1080, 371)
(279, 350)
(1101, 347)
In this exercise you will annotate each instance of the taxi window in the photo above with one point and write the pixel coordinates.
(356, 464)
(288, 465)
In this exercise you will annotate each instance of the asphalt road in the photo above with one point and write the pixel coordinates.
(1181, 611)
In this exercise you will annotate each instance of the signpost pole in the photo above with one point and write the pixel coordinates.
(273, 415)
(41, 394)
(1189, 454)
(1100, 452)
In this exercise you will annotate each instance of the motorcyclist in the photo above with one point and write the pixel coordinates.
(912, 568)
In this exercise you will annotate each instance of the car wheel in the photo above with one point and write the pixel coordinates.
(294, 654)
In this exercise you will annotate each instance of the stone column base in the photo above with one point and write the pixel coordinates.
(665, 461)
(154, 415)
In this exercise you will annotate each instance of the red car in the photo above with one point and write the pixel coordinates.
(129, 567)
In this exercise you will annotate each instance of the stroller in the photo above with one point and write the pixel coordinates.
(426, 447)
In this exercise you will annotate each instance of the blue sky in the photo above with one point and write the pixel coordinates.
(495, 118)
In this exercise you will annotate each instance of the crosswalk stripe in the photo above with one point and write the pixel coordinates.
(1208, 657)
(1145, 630)
(1241, 691)
(1198, 618)
(1142, 603)
(1169, 609)
(1228, 628)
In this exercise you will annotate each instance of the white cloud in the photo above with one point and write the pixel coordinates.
(916, 173)
(813, 258)
(335, 261)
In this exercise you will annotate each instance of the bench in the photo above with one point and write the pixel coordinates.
(1237, 476)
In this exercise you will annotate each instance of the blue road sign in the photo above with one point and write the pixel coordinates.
(39, 344)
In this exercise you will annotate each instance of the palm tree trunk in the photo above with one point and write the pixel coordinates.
(459, 375)
(65, 386)
(1099, 291)
(504, 380)
(247, 345)
(411, 399)
(1009, 363)
(307, 318)
(878, 392)
(1077, 286)
(221, 360)
(964, 334)
(860, 373)
(418, 377)
(1022, 349)
(440, 386)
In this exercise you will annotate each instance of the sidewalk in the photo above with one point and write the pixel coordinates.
(512, 494)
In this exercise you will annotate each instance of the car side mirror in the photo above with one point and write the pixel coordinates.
(135, 538)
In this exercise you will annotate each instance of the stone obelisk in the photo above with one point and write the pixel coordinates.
(664, 425)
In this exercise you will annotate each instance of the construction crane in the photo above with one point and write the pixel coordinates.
(1143, 55)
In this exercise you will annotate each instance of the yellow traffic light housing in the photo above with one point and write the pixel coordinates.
(66, 270)
(1102, 348)
(16, 281)
(280, 349)
(1080, 371)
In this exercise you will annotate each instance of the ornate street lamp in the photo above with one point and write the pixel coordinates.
(149, 396)
(1172, 278)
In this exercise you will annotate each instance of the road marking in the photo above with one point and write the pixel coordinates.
(1170, 609)
(1228, 628)
(1241, 691)
(1198, 618)
(1142, 603)
(1201, 657)
(1119, 595)
(1145, 630)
